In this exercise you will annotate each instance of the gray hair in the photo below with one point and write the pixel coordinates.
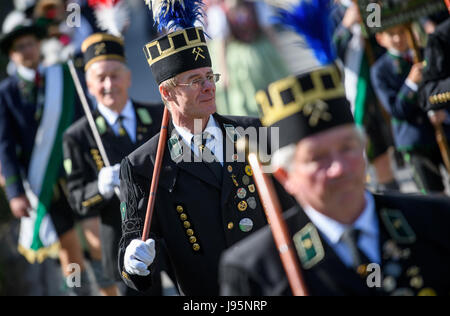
(88, 72)
(168, 84)
(284, 157)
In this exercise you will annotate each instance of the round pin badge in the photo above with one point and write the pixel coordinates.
(248, 171)
(246, 225)
(416, 282)
(242, 206)
(427, 292)
(403, 292)
(389, 284)
(235, 157)
(230, 169)
(241, 193)
(393, 269)
(252, 188)
(252, 203)
(246, 180)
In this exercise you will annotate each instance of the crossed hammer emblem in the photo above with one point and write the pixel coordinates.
(198, 51)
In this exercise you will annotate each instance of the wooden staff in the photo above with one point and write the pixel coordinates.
(447, 2)
(156, 173)
(279, 227)
(440, 135)
(90, 118)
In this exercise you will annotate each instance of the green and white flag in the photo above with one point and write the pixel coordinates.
(38, 239)
(357, 75)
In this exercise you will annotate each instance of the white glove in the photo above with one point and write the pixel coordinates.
(138, 256)
(108, 178)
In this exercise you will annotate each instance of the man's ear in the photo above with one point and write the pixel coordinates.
(165, 93)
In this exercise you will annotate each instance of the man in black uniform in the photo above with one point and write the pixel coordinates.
(435, 90)
(206, 200)
(338, 228)
(123, 126)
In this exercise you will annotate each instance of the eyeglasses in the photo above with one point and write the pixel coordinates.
(199, 83)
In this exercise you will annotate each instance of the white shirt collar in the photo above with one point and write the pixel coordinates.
(211, 128)
(333, 230)
(111, 116)
(397, 53)
(216, 146)
(27, 73)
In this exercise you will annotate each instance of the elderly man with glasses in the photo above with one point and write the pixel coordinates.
(206, 199)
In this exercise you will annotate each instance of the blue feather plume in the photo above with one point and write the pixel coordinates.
(176, 14)
(312, 19)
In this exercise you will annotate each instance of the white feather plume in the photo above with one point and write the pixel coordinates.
(113, 19)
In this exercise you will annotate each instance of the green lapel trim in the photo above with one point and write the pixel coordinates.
(101, 125)
(123, 209)
(397, 226)
(309, 246)
(144, 116)
(68, 166)
(175, 148)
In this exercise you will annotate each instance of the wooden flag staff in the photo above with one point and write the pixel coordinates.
(279, 228)
(90, 118)
(156, 173)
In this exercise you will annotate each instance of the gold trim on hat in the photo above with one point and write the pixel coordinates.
(171, 50)
(277, 111)
(100, 37)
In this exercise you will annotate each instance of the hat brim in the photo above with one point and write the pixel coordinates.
(6, 41)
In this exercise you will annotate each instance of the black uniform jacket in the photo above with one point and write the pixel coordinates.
(435, 90)
(83, 162)
(414, 241)
(197, 216)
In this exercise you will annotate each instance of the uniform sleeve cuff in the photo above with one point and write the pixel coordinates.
(413, 86)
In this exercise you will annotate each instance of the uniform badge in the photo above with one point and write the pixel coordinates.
(144, 116)
(175, 148)
(246, 180)
(403, 292)
(230, 169)
(233, 178)
(246, 225)
(427, 292)
(241, 193)
(101, 125)
(123, 209)
(389, 284)
(252, 188)
(68, 166)
(242, 206)
(397, 226)
(309, 246)
(248, 171)
(252, 203)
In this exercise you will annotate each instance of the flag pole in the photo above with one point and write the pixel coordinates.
(156, 173)
(90, 118)
(278, 227)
